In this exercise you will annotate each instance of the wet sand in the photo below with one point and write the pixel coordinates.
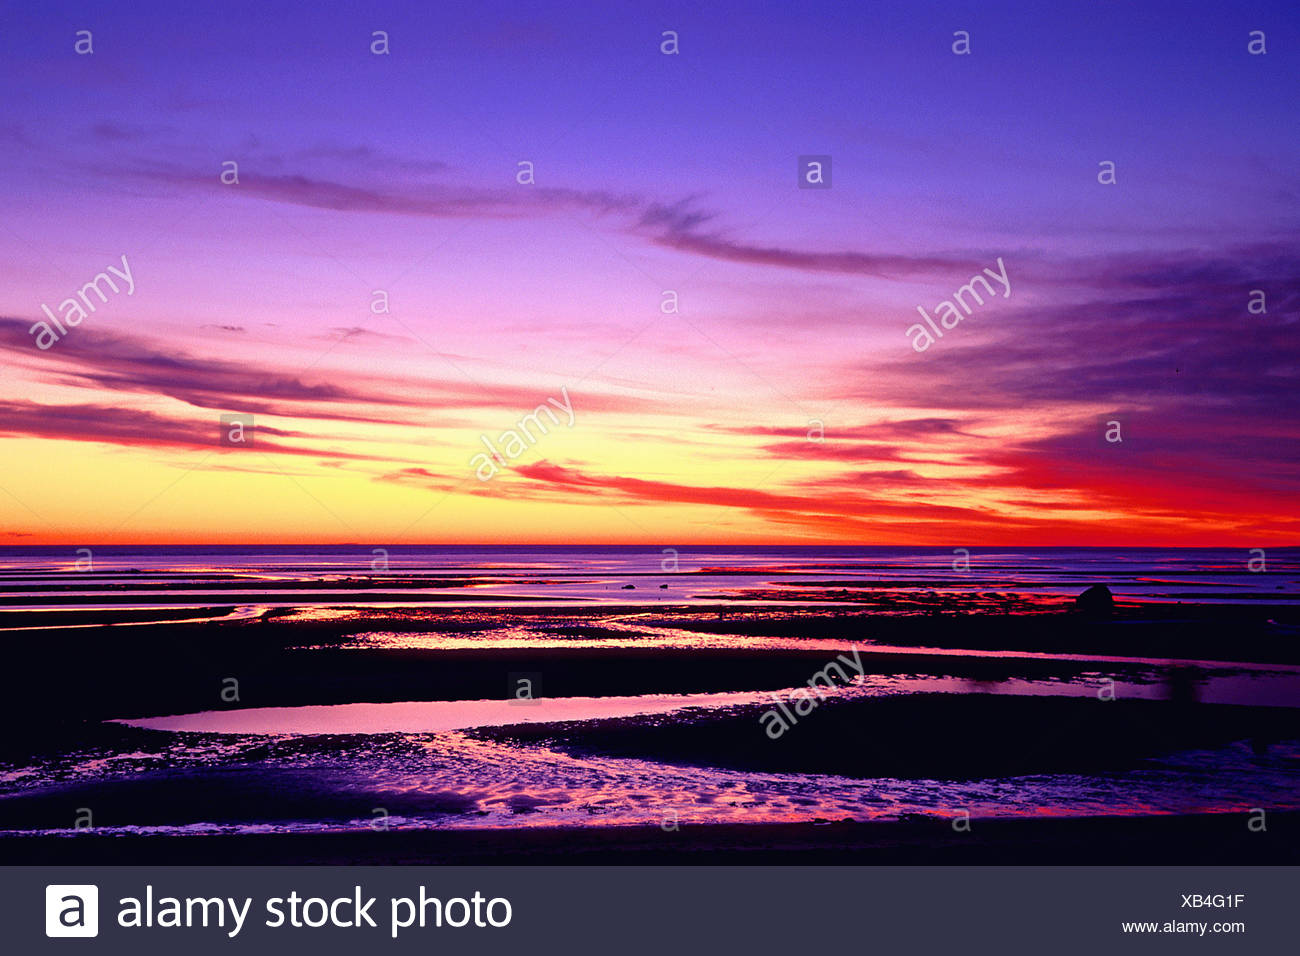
(932, 736)
(1193, 840)
(75, 678)
(70, 675)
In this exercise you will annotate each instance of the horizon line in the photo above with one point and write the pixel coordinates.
(630, 545)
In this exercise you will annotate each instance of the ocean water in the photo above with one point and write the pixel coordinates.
(280, 576)
(325, 767)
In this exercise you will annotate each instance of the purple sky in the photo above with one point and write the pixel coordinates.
(1128, 302)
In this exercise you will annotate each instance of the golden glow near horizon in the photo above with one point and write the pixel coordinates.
(928, 347)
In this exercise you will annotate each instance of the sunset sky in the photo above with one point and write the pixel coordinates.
(653, 173)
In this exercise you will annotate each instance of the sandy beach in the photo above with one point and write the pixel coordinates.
(767, 714)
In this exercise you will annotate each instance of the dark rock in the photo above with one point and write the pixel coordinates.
(1097, 601)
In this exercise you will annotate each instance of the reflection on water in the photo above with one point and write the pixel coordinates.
(431, 716)
(889, 580)
(326, 767)
(1216, 686)
(415, 760)
(451, 780)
